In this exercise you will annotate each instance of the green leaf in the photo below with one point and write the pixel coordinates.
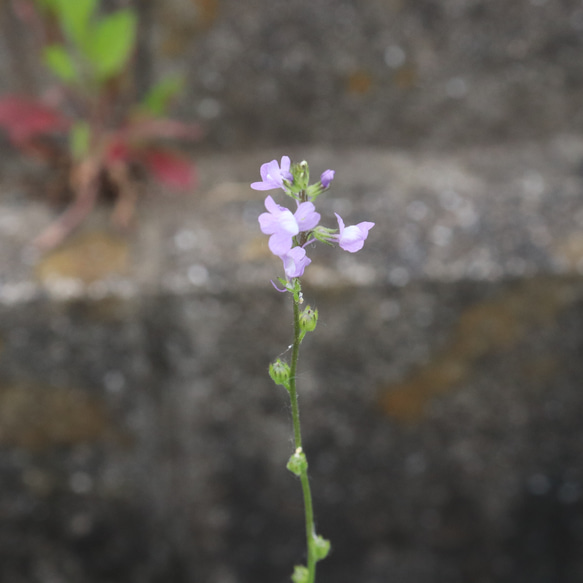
(157, 99)
(60, 63)
(111, 42)
(79, 140)
(74, 16)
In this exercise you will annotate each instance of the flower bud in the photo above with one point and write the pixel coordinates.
(321, 547)
(301, 574)
(326, 178)
(279, 372)
(301, 173)
(308, 319)
(297, 462)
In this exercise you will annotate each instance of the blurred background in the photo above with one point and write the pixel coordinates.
(141, 439)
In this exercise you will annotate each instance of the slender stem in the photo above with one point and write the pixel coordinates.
(309, 512)
(292, 384)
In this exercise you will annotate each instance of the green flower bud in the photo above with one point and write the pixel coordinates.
(279, 372)
(297, 462)
(321, 547)
(301, 174)
(300, 575)
(308, 319)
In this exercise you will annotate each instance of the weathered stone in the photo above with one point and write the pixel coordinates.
(142, 439)
(383, 72)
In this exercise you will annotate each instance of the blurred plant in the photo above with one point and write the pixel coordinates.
(290, 234)
(108, 138)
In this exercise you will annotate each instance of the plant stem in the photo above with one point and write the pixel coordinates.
(309, 512)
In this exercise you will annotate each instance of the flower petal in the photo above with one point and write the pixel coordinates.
(268, 223)
(280, 243)
(265, 170)
(287, 223)
(271, 205)
(340, 224)
(262, 186)
(306, 216)
(285, 163)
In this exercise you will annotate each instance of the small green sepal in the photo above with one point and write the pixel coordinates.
(324, 234)
(298, 464)
(321, 547)
(279, 372)
(314, 191)
(308, 319)
(301, 574)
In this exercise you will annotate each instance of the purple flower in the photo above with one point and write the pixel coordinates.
(283, 226)
(272, 176)
(326, 178)
(352, 238)
(295, 261)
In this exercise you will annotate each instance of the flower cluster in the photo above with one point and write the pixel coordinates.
(290, 232)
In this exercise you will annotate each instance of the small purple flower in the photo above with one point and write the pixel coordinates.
(326, 178)
(352, 238)
(272, 176)
(282, 225)
(295, 261)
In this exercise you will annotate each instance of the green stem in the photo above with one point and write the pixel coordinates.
(309, 512)
(292, 383)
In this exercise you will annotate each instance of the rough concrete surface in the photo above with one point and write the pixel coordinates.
(390, 73)
(141, 439)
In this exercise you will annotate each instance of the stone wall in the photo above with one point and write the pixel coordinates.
(376, 72)
(141, 439)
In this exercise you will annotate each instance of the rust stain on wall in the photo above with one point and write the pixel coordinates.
(182, 20)
(359, 83)
(569, 250)
(405, 77)
(207, 11)
(485, 328)
(39, 417)
(88, 258)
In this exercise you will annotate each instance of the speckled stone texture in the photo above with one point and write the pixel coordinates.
(430, 73)
(142, 441)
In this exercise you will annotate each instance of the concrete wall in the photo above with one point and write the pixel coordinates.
(140, 438)
(385, 72)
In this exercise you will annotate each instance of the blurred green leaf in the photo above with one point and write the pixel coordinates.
(158, 98)
(79, 140)
(111, 42)
(60, 63)
(74, 16)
